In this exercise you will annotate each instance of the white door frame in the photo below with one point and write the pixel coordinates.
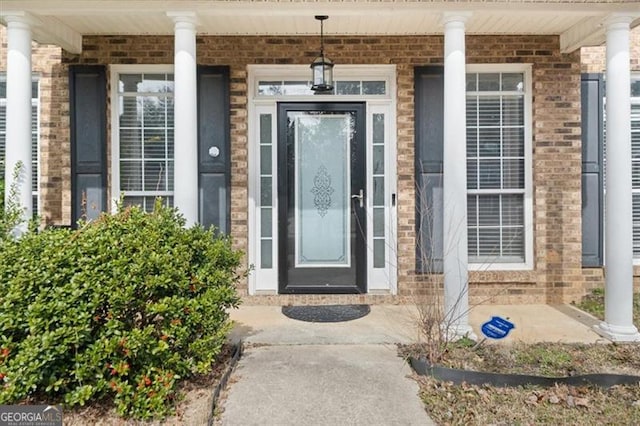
(264, 281)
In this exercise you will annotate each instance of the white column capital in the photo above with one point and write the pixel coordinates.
(184, 19)
(618, 21)
(452, 18)
(19, 19)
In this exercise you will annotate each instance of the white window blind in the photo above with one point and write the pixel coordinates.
(635, 161)
(496, 167)
(35, 139)
(146, 138)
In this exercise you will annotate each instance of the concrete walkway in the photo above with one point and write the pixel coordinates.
(323, 385)
(299, 373)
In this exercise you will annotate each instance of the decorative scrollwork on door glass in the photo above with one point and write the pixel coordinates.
(322, 191)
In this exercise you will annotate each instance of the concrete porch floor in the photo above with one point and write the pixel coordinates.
(388, 324)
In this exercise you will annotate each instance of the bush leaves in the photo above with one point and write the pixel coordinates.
(120, 308)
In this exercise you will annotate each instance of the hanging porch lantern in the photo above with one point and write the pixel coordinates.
(322, 67)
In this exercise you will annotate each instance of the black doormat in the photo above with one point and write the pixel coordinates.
(326, 313)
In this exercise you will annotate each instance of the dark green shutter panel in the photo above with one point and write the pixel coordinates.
(88, 103)
(429, 123)
(214, 156)
(592, 170)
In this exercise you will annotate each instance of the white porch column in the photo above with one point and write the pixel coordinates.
(18, 130)
(618, 303)
(456, 276)
(186, 119)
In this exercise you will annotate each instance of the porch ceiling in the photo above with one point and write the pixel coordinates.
(64, 22)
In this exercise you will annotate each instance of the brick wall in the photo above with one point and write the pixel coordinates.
(556, 138)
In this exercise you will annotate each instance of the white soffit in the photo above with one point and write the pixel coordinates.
(579, 19)
(396, 22)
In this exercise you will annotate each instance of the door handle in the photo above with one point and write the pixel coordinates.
(360, 197)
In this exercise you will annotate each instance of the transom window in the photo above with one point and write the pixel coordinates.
(496, 167)
(294, 87)
(35, 137)
(145, 130)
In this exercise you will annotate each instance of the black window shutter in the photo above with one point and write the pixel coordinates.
(88, 103)
(592, 92)
(429, 145)
(214, 152)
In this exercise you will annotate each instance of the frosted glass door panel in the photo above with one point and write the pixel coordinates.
(322, 157)
(322, 223)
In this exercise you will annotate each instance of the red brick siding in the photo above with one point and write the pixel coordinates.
(557, 274)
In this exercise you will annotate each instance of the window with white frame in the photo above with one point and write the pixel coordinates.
(144, 136)
(35, 136)
(498, 156)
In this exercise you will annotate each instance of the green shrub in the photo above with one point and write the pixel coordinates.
(122, 308)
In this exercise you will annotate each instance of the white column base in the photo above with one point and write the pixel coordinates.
(455, 332)
(617, 333)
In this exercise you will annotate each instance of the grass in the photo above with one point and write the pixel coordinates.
(450, 404)
(594, 304)
(548, 361)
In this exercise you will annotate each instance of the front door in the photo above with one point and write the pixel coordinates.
(322, 198)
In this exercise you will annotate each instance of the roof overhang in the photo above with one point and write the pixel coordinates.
(64, 22)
